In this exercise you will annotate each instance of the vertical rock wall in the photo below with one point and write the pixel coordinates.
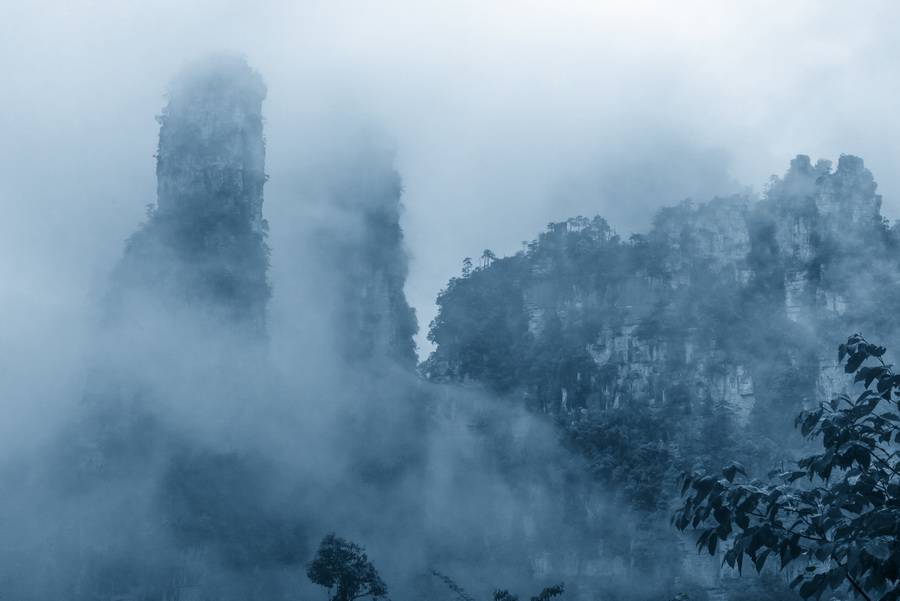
(203, 246)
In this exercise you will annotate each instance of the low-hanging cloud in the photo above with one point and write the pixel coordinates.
(495, 110)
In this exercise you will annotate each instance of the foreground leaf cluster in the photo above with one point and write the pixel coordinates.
(835, 518)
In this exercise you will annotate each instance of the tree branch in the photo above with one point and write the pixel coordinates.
(859, 590)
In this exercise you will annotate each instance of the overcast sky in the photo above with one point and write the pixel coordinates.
(505, 115)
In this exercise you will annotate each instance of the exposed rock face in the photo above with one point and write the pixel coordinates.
(592, 322)
(822, 219)
(211, 158)
(203, 245)
(714, 235)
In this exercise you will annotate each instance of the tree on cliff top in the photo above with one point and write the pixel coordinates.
(838, 511)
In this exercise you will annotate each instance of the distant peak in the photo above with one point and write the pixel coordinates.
(211, 155)
(849, 163)
(801, 163)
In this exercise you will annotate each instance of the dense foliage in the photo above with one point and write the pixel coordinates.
(345, 570)
(837, 513)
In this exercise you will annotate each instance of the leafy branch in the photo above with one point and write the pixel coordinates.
(839, 510)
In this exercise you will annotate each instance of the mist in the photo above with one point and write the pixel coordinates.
(496, 111)
(470, 126)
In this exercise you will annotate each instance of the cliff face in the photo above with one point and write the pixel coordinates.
(203, 245)
(583, 321)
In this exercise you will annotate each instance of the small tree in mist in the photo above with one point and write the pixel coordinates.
(487, 258)
(467, 267)
(344, 569)
(838, 511)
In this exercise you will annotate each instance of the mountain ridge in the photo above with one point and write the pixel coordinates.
(589, 321)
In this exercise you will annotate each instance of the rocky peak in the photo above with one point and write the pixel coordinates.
(814, 208)
(203, 247)
(847, 197)
(211, 157)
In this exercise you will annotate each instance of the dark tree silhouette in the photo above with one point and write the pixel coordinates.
(344, 569)
(487, 257)
(467, 267)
